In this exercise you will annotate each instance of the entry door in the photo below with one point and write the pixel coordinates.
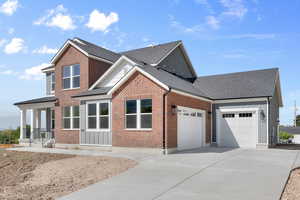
(190, 128)
(238, 129)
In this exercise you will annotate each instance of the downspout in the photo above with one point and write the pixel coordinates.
(268, 120)
(164, 145)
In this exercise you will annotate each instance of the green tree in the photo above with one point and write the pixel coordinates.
(285, 135)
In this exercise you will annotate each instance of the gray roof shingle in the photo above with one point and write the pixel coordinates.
(95, 50)
(152, 54)
(38, 100)
(98, 91)
(173, 81)
(258, 83)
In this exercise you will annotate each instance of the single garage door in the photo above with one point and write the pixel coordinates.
(237, 129)
(190, 128)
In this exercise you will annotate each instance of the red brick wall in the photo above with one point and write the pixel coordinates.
(171, 119)
(137, 87)
(96, 69)
(70, 57)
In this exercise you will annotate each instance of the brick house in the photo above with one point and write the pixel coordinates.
(150, 98)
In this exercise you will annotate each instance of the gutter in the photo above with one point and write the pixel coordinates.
(164, 145)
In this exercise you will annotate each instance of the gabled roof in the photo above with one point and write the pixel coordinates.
(96, 50)
(258, 83)
(152, 54)
(38, 100)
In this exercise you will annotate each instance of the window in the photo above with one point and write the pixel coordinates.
(228, 115)
(52, 75)
(245, 114)
(98, 116)
(71, 76)
(138, 114)
(52, 119)
(71, 117)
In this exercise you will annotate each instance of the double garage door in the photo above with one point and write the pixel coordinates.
(237, 129)
(190, 128)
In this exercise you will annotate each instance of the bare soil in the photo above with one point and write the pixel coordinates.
(292, 189)
(43, 176)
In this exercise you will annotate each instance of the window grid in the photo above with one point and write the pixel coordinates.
(72, 117)
(52, 82)
(98, 116)
(138, 115)
(71, 77)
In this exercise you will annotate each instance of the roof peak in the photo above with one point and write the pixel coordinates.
(233, 73)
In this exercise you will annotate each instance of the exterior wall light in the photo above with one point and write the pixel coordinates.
(174, 109)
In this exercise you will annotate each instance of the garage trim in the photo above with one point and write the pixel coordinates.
(235, 110)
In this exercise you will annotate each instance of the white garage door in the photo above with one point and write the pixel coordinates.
(190, 128)
(237, 129)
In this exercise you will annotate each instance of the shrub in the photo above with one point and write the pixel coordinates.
(10, 136)
(285, 135)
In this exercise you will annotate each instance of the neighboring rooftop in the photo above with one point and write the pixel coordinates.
(257, 83)
(290, 129)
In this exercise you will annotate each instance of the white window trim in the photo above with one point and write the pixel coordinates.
(52, 91)
(71, 119)
(97, 129)
(138, 116)
(71, 77)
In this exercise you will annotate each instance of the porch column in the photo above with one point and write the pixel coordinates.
(22, 124)
(34, 123)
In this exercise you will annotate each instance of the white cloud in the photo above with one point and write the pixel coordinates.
(11, 30)
(184, 29)
(9, 7)
(99, 22)
(213, 22)
(253, 36)
(45, 50)
(234, 8)
(57, 17)
(34, 73)
(14, 46)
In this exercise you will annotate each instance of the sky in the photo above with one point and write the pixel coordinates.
(220, 36)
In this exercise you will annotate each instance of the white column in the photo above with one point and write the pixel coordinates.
(22, 124)
(33, 124)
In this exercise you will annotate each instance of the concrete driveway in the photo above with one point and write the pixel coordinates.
(209, 174)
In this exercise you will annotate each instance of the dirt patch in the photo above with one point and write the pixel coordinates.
(28, 176)
(292, 189)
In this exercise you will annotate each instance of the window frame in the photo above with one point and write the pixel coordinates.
(71, 77)
(52, 119)
(52, 82)
(97, 129)
(138, 115)
(71, 118)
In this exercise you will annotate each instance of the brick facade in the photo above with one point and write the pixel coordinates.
(89, 71)
(138, 87)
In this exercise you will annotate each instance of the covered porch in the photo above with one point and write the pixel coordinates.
(37, 120)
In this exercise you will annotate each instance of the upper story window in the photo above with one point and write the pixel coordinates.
(71, 76)
(138, 114)
(52, 75)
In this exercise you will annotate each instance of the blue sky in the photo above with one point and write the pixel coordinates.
(220, 36)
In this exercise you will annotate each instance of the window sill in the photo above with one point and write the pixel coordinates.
(70, 129)
(71, 89)
(141, 129)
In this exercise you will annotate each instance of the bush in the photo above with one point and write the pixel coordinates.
(10, 136)
(285, 135)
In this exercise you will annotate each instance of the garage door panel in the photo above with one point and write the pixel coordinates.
(189, 128)
(238, 129)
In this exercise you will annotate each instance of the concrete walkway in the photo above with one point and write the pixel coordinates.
(209, 174)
